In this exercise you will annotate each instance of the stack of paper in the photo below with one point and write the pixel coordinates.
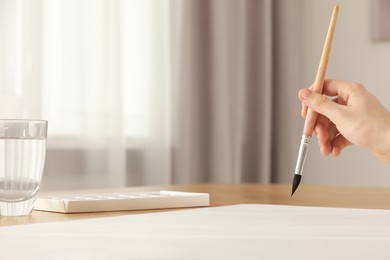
(230, 232)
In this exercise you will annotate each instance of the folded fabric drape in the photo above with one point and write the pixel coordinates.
(155, 92)
(235, 77)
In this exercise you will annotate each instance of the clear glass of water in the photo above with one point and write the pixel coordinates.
(22, 159)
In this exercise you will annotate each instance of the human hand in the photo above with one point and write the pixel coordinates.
(355, 117)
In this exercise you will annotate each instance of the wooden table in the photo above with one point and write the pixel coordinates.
(229, 194)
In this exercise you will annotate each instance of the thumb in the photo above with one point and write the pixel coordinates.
(321, 104)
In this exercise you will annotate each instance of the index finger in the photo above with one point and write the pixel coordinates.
(340, 88)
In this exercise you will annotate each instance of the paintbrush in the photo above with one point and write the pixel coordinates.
(311, 116)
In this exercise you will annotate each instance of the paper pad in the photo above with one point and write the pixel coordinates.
(229, 232)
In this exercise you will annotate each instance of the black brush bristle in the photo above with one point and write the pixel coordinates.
(295, 184)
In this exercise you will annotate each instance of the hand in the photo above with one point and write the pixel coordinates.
(355, 117)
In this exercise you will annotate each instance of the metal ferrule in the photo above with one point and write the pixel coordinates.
(305, 141)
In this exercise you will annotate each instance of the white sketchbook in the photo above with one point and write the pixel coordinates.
(229, 232)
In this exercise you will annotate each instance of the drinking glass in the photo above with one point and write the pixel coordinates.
(22, 159)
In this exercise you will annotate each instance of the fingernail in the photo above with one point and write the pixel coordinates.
(305, 93)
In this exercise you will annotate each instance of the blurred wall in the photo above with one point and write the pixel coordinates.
(354, 56)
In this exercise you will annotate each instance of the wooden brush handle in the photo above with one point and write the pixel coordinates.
(311, 116)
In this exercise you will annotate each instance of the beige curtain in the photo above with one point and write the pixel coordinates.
(235, 76)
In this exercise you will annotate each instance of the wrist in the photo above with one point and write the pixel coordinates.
(383, 149)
